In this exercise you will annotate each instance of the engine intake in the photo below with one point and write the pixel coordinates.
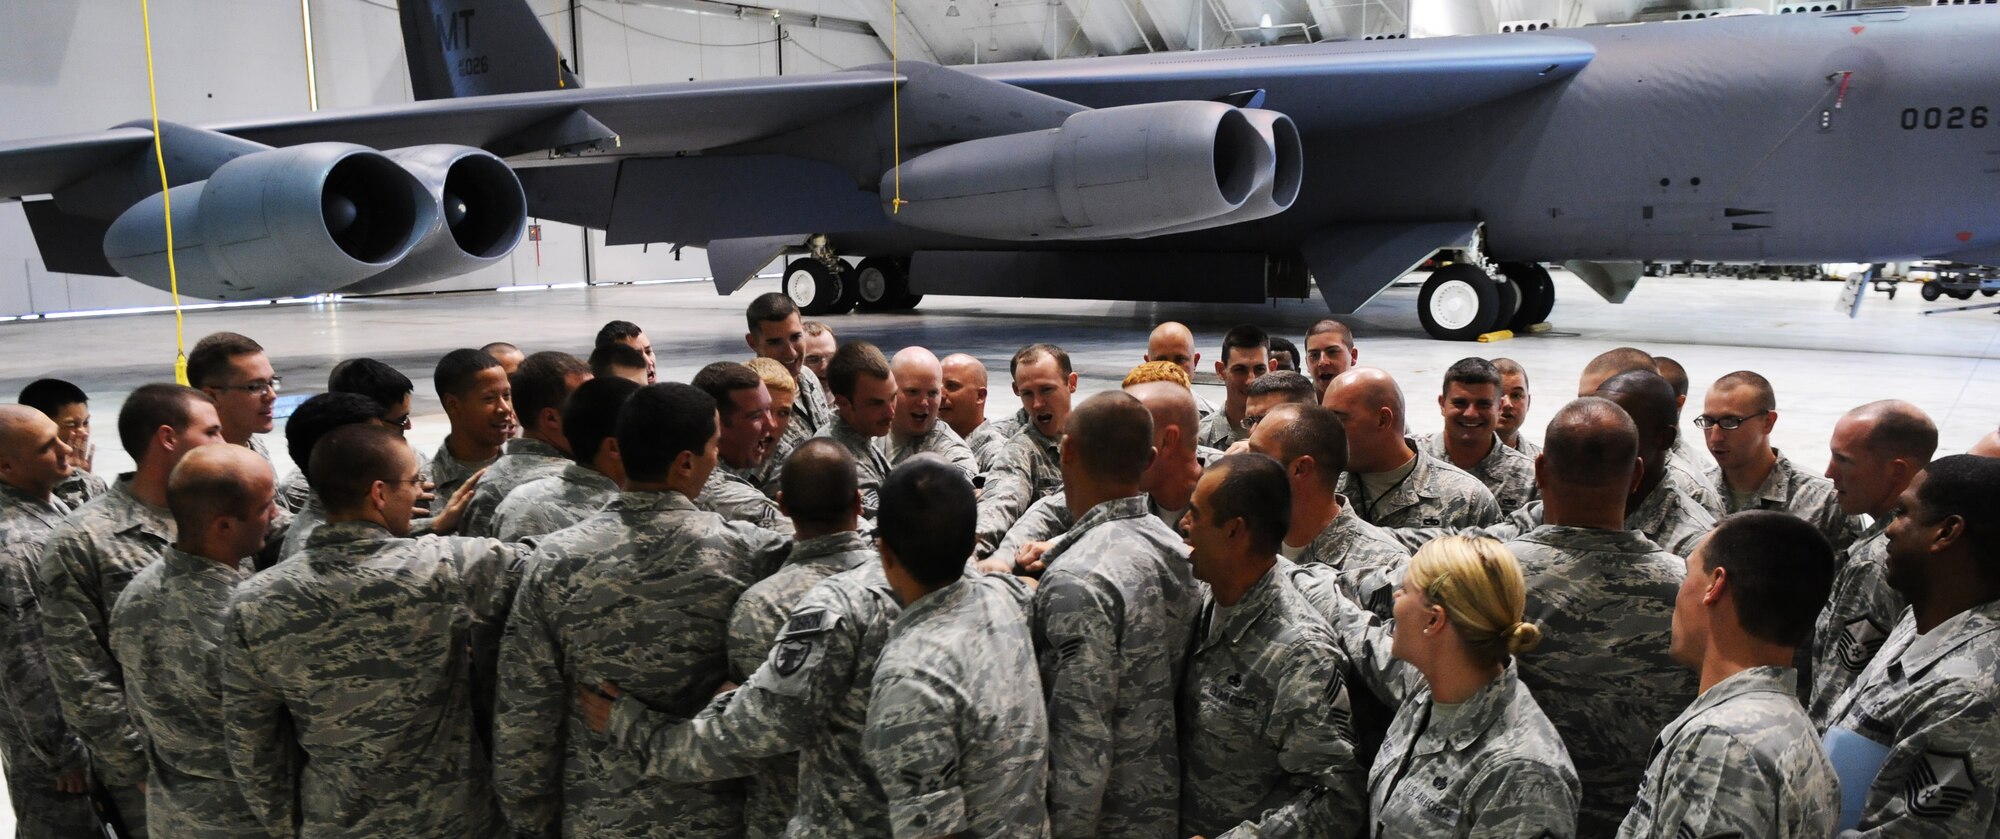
(482, 215)
(1107, 173)
(1275, 192)
(278, 223)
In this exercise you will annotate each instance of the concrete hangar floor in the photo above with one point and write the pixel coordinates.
(1821, 362)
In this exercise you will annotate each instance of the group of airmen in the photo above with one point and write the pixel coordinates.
(824, 594)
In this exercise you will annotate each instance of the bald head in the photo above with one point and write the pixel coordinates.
(960, 366)
(1611, 363)
(1897, 429)
(1172, 342)
(919, 382)
(214, 482)
(1372, 389)
(1592, 445)
(33, 457)
(1111, 437)
(18, 424)
(818, 489)
(962, 402)
(1988, 446)
(1170, 405)
(1370, 408)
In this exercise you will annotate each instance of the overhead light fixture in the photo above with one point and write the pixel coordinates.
(951, 10)
(1265, 21)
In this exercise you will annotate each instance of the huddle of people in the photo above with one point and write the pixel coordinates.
(823, 593)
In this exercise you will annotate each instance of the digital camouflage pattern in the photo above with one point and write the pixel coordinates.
(1858, 617)
(734, 496)
(1508, 474)
(990, 439)
(347, 702)
(1793, 490)
(80, 487)
(294, 490)
(1743, 760)
(941, 441)
(639, 595)
(759, 618)
(306, 519)
(1435, 494)
(447, 473)
(1113, 619)
(35, 743)
(1527, 447)
(957, 732)
(1491, 766)
(1029, 469)
(1931, 699)
(87, 562)
(546, 505)
(521, 460)
(1689, 462)
(167, 634)
(1354, 549)
(870, 464)
(1217, 432)
(1050, 518)
(812, 404)
(1267, 729)
(1605, 602)
(1667, 517)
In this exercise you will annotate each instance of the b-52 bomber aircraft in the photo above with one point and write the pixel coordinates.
(1862, 136)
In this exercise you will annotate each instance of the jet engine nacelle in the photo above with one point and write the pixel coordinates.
(1279, 186)
(1131, 170)
(482, 215)
(278, 223)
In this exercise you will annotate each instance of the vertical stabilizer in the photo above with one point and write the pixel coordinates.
(479, 47)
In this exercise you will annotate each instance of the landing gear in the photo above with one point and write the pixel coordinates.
(882, 284)
(1459, 303)
(1538, 293)
(818, 289)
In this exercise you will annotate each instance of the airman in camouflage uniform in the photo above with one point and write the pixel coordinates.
(80, 488)
(1113, 618)
(1692, 470)
(1353, 549)
(305, 519)
(167, 632)
(1268, 741)
(639, 595)
(1493, 766)
(521, 460)
(957, 733)
(1028, 469)
(941, 441)
(1668, 517)
(546, 505)
(35, 744)
(346, 684)
(1742, 758)
(870, 463)
(1508, 474)
(1857, 619)
(447, 473)
(1050, 518)
(812, 405)
(294, 490)
(754, 626)
(1434, 494)
(1796, 491)
(1604, 600)
(733, 495)
(989, 440)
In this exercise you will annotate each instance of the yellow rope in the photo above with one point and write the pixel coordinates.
(166, 201)
(895, 110)
(557, 41)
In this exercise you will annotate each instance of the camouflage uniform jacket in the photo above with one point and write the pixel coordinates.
(167, 633)
(1434, 494)
(1858, 617)
(294, 490)
(1029, 470)
(86, 564)
(1268, 741)
(546, 505)
(1671, 516)
(447, 473)
(522, 459)
(754, 626)
(80, 487)
(306, 519)
(1527, 447)
(640, 595)
(1605, 602)
(942, 441)
(1491, 766)
(1743, 759)
(989, 440)
(35, 744)
(1355, 550)
(957, 733)
(1932, 701)
(346, 684)
(1050, 518)
(810, 696)
(1690, 463)
(1793, 490)
(811, 405)
(1217, 432)
(1508, 474)
(734, 496)
(870, 464)
(1113, 619)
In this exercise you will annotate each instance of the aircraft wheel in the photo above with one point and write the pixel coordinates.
(1538, 293)
(815, 289)
(1989, 292)
(1965, 294)
(1931, 291)
(908, 302)
(1458, 303)
(881, 284)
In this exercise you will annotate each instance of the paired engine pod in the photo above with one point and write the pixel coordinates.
(1276, 191)
(482, 215)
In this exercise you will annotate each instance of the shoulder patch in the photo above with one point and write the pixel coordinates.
(1939, 784)
(808, 622)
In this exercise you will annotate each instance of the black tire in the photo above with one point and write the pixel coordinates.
(1458, 303)
(1962, 294)
(1931, 291)
(815, 289)
(1538, 293)
(880, 284)
(1510, 302)
(1989, 292)
(908, 302)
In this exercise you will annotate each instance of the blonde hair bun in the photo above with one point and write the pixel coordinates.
(1526, 636)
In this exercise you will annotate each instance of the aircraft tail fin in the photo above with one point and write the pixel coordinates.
(462, 48)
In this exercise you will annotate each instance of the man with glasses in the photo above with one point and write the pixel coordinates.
(233, 371)
(1246, 356)
(1736, 421)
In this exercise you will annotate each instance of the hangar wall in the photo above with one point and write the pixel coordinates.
(79, 66)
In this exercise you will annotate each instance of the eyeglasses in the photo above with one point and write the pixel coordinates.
(402, 422)
(1249, 421)
(260, 388)
(1725, 423)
